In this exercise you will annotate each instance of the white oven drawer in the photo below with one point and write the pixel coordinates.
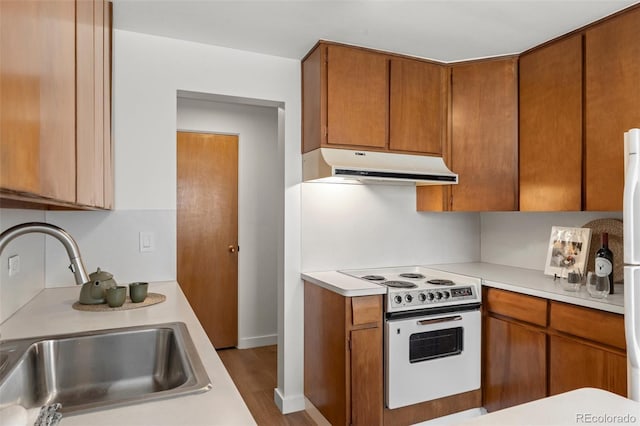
(430, 357)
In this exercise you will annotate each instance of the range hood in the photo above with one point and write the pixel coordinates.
(348, 166)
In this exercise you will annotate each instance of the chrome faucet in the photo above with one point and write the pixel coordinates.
(77, 267)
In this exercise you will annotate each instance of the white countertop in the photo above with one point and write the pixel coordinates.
(534, 283)
(580, 406)
(50, 312)
(525, 281)
(343, 284)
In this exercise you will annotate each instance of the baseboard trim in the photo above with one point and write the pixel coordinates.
(257, 341)
(315, 414)
(290, 404)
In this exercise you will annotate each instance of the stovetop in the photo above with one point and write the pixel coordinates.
(418, 287)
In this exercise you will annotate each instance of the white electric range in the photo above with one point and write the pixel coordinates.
(432, 332)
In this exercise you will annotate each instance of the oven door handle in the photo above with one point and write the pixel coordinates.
(439, 320)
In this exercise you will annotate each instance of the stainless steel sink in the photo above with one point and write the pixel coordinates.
(101, 369)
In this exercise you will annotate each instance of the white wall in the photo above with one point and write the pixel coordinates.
(148, 73)
(110, 241)
(522, 239)
(370, 226)
(17, 290)
(259, 184)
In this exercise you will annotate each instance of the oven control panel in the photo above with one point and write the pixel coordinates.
(420, 298)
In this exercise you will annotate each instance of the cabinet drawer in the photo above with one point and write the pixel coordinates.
(517, 306)
(592, 324)
(366, 309)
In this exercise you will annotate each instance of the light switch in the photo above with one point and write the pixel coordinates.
(14, 265)
(147, 241)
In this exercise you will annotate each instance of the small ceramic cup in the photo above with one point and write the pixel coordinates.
(116, 296)
(138, 291)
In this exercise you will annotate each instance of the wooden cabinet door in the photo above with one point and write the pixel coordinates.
(574, 365)
(107, 140)
(484, 146)
(514, 364)
(357, 97)
(612, 67)
(367, 388)
(90, 102)
(551, 127)
(418, 106)
(37, 94)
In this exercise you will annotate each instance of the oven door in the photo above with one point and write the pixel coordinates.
(430, 357)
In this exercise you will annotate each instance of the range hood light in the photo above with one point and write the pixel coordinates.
(348, 166)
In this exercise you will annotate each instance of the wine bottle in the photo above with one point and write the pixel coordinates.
(604, 261)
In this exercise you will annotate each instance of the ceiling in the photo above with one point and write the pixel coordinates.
(445, 31)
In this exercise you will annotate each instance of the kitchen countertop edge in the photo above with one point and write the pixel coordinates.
(343, 284)
(520, 280)
(533, 283)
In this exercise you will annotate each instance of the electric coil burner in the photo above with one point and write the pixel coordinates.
(399, 284)
(411, 275)
(374, 277)
(437, 281)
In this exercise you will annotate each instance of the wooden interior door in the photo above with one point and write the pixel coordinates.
(207, 231)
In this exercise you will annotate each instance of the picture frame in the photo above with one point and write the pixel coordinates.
(568, 250)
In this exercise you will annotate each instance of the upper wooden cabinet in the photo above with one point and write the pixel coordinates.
(551, 127)
(37, 89)
(418, 107)
(612, 88)
(357, 87)
(93, 100)
(50, 96)
(354, 97)
(484, 135)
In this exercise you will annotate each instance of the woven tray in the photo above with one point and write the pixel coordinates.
(614, 228)
(152, 299)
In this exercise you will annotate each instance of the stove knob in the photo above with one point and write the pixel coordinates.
(445, 294)
(422, 297)
(430, 296)
(408, 298)
(398, 299)
(438, 295)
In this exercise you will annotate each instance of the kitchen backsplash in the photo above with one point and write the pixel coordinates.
(522, 239)
(17, 290)
(111, 241)
(364, 226)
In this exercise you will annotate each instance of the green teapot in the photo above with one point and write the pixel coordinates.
(93, 292)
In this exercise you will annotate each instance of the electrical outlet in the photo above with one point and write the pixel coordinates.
(14, 265)
(147, 241)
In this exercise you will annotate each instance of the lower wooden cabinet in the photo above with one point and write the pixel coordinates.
(343, 367)
(535, 348)
(366, 376)
(574, 364)
(515, 364)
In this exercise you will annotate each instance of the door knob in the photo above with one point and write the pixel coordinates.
(232, 249)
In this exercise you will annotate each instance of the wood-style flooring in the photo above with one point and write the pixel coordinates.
(254, 371)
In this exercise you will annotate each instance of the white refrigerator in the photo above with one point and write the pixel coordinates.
(631, 218)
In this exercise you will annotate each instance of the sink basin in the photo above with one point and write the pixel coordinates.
(101, 369)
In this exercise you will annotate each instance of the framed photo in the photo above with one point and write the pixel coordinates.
(568, 250)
